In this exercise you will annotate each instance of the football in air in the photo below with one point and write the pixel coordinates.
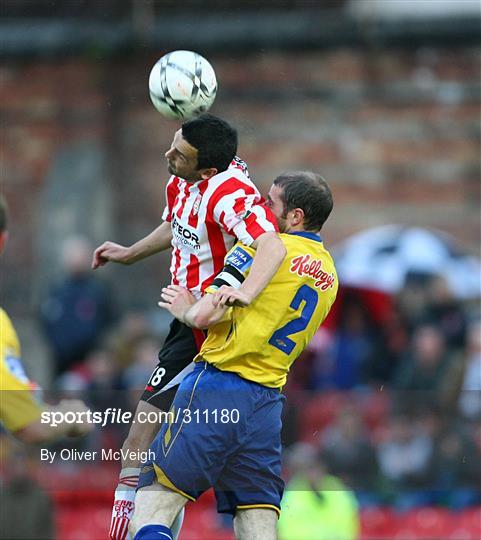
(182, 84)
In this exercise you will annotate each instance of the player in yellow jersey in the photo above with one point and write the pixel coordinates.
(225, 425)
(20, 412)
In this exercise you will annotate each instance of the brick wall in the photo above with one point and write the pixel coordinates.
(396, 133)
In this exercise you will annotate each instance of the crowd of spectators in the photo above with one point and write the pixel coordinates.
(394, 402)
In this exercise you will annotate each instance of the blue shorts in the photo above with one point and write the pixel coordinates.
(224, 432)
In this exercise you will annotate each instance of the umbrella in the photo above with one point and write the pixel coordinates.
(383, 257)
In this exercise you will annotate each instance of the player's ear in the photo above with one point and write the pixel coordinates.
(208, 173)
(297, 216)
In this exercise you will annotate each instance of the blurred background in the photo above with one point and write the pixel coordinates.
(382, 97)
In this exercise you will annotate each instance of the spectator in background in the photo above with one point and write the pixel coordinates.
(445, 312)
(316, 505)
(143, 360)
(412, 300)
(466, 376)
(349, 454)
(103, 380)
(78, 310)
(318, 363)
(456, 470)
(404, 459)
(355, 341)
(104, 391)
(421, 378)
(132, 328)
(393, 339)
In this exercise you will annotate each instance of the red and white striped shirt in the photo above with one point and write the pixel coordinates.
(207, 218)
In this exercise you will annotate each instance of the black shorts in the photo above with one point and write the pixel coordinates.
(175, 360)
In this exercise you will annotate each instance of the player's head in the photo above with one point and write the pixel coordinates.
(3, 223)
(203, 147)
(301, 201)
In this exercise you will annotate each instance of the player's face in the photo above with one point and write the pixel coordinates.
(275, 202)
(182, 159)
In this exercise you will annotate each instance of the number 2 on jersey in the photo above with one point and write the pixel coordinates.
(280, 338)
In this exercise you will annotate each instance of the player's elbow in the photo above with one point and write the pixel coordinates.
(205, 318)
(34, 433)
(201, 321)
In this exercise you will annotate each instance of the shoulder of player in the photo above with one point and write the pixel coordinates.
(296, 245)
(174, 183)
(228, 185)
(308, 260)
(231, 180)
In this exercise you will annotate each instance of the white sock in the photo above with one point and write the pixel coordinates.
(177, 525)
(123, 508)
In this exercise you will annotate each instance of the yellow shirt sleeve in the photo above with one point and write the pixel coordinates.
(18, 407)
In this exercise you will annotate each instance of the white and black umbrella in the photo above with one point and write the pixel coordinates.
(383, 257)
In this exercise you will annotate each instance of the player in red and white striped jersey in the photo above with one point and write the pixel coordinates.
(211, 202)
(206, 218)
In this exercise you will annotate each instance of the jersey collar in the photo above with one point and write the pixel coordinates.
(309, 235)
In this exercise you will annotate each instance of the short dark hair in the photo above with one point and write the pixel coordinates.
(308, 191)
(3, 214)
(214, 139)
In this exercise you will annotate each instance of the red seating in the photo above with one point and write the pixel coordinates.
(378, 523)
(374, 409)
(421, 524)
(318, 413)
(83, 506)
(428, 523)
(82, 522)
(89, 521)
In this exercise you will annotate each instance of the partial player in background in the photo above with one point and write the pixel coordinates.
(240, 371)
(19, 410)
(211, 202)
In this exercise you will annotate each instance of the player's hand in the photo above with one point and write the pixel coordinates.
(228, 296)
(110, 251)
(177, 300)
(77, 429)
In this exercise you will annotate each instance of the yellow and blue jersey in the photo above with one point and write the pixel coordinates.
(260, 342)
(18, 407)
(225, 428)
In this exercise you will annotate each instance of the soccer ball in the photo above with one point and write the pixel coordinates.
(182, 84)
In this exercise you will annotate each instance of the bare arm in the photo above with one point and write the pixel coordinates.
(158, 240)
(270, 252)
(204, 313)
(40, 432)
(183, 306)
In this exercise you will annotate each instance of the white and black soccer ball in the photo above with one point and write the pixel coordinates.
(182, 84)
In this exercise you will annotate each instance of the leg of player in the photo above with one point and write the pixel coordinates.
(177, 525)
(156, 509)
(139, 439)
(255, 524)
